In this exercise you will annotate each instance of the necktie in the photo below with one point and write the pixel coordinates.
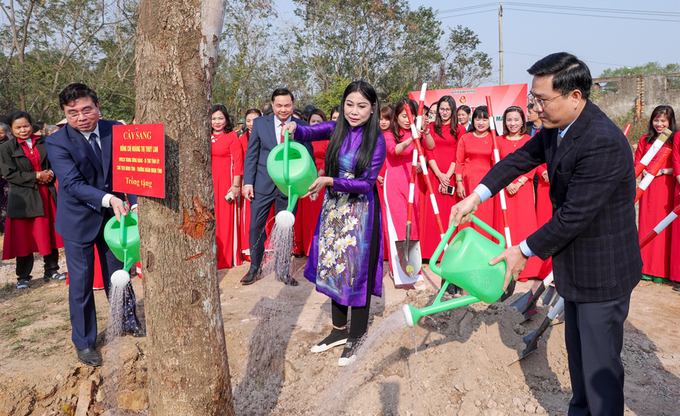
(282, 124)
(94, 142)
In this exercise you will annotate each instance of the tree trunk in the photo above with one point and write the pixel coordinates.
(188, 368)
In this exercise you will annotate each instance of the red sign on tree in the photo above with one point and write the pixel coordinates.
(139, 159)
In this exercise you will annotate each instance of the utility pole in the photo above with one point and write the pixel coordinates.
(500, 41)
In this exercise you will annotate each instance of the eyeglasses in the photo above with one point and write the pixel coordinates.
(540, 102)
(444, 110)
(86, 112)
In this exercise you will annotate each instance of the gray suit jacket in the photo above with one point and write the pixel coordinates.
(592, 236)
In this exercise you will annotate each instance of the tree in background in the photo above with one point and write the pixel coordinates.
(244, 76)
(45, 45)
(650, 68)
(465, 65)
(382, 42)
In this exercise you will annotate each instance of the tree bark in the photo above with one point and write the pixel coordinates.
(176, 50)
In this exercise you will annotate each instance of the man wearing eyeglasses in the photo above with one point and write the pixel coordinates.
(592, 236)
(81, 157)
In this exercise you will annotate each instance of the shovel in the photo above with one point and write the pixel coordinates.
(407, 249)
(531, 340)
(526, 304)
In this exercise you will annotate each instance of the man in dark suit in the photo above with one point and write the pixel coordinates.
(592, 236)
(81, 157)
(258, 186)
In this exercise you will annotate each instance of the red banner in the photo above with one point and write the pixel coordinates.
(139, 159)
(502, 97)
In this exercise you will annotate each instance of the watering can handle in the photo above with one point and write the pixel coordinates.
(123, 230)
(442, 244)
(286, 146)
(484, 226)
(440, 248)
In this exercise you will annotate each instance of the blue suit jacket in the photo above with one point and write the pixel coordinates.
(592, 236)
(262, 141)
(83, 181)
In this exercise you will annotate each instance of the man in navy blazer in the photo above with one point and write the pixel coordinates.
(258, 186)
(80, 154)
(592, 237)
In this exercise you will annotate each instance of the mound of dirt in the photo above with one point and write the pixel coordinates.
(458, 362)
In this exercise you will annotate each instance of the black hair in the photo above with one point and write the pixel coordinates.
(530, 106)
(480, 112)
(229, 124)
(253, 111)
(335, 109)
(267, 110)
(318, 112)
(387, 112)
(38, 125)
(438, 123)
(20, 114)
(510, 109)
(394, 126)
(369, 137)
(570, 73)
(282, 91)
(652, 134)
(75, 91)
(465, 108)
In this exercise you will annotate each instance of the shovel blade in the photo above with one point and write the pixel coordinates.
(410, 260)
(521, 302)
(509, 291)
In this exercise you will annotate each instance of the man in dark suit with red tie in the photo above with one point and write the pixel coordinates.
(81, 157)
(592, 237)
(258, 186)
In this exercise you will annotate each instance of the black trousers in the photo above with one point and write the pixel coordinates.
(25, 265)
(360, 314)
(594, 339)
(260, 206)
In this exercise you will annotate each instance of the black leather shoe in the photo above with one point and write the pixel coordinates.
(137, 332)
(249, 278)
(89, 356)
(287, 280)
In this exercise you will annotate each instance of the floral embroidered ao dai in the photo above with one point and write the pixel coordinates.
(350, 215)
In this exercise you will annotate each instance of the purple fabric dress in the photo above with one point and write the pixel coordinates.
(341, 249)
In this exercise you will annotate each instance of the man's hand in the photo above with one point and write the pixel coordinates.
(290, 127)
(460, 212)
(248, 192)
(515, 262)
(119, 207)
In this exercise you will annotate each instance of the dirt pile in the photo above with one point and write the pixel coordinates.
(458, 362)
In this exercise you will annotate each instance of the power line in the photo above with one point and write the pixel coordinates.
(593, 9)
(591, 15)
(516, 7)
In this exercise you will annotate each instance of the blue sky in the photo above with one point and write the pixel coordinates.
(530, 33)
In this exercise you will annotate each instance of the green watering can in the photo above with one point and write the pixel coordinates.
(122, 238)
(293, 171)
(465, 264)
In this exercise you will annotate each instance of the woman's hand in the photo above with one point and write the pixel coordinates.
(381, 180)
(513, 188)
(443, 179)
(460, 190)
(318, 185)
(290, 128)
(235, 191)
(419, 168)
(545, 177)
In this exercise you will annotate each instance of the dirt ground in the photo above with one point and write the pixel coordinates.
(457, 362)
